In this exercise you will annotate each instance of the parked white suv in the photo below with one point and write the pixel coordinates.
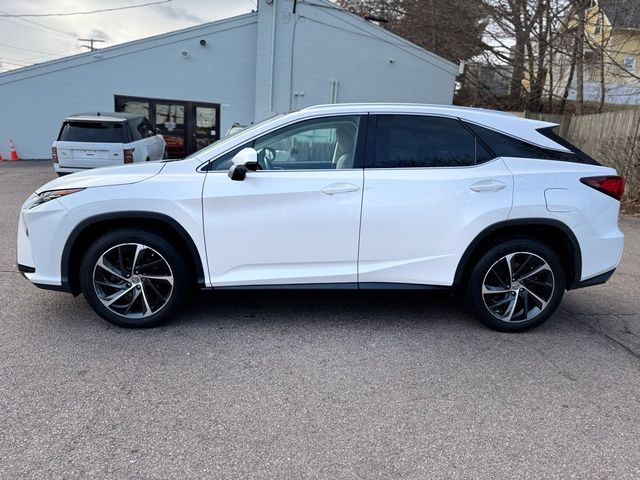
(343, 196)
(91, 140)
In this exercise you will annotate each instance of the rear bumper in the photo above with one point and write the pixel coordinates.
(60, 169)
(590, 282)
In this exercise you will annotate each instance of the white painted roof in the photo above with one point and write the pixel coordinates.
(522, 128)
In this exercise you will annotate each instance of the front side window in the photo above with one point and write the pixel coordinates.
(404, 141)
(324, 143)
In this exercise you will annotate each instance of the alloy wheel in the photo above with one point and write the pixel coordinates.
(518, 287)
(133, 280)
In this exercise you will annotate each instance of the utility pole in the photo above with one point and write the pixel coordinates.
(91, 42)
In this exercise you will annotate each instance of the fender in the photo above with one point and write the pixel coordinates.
(576, 257)
(129, 215)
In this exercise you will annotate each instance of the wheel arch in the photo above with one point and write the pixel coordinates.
(92, 227)
(553, 233)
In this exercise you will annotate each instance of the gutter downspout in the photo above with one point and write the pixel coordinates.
(273, 54)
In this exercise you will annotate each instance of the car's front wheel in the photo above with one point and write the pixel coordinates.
(516, 285)
(133, 278)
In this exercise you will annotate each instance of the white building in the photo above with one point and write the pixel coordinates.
(193, 84)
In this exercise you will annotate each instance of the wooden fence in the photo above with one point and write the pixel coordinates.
(611, 138)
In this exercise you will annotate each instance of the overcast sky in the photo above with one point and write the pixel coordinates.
(28, 40)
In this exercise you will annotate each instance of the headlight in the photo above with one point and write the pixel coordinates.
(44, 197)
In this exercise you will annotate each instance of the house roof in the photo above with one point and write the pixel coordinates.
(133, 46)
(624, 14)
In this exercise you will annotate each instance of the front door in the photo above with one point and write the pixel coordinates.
(170, 122)
(294, 221)
(204, 130)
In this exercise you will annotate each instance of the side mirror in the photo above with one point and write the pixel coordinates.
(243, 161)
(238, 172)
(245, 156)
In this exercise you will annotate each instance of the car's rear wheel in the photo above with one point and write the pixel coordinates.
(133, 278)
(517, 285)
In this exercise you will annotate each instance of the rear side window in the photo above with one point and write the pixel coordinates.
(134, 128)
(582, 157)
(506, 146)
(422, 141)
(92, 132)
(145, 129)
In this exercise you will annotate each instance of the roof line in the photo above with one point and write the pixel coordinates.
(379, 32)
(90, 55)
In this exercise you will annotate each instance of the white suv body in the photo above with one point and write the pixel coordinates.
(102, 139)
(368, 196)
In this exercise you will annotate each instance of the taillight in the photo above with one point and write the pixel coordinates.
(611, 185)
(54, 154)
(128, 155)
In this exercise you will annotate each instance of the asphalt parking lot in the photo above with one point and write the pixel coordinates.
(315, 385)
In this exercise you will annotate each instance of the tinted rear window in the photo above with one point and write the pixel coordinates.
(423, 141)
(96, 132)
(506, 146)
(550, 133)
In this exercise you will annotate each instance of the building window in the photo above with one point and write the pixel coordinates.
(629, 63)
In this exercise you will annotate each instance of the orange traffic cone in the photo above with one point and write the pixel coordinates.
(14, 154)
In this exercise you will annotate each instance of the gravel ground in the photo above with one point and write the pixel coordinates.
(314, 385)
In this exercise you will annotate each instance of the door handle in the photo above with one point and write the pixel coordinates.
(340, 188)
(488, 186)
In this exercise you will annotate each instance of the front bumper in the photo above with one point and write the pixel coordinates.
(42, 232)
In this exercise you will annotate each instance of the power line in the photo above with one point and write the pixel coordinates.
(26, 49)
(39, 26)
(67, 14)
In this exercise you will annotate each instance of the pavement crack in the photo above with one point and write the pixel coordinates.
(610, 337)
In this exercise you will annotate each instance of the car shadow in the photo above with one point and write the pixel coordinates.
(295, 307)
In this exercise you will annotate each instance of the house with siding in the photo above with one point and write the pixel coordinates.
(611, 53)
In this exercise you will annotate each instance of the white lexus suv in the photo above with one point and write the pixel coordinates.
(362, 196)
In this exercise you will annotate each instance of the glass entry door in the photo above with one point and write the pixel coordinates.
(206, 126)
(169, 121)
(186, 126)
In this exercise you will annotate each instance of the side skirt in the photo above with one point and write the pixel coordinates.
(336, 286)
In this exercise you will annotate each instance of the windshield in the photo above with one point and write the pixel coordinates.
(230, 137)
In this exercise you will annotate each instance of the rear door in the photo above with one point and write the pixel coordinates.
(430, 187)
(90, 144)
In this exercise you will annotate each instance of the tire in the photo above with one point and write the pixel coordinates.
(143, 300)
(526, 298)
(165, 155)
